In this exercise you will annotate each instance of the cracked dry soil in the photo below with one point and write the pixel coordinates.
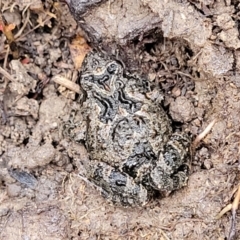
(193, 56)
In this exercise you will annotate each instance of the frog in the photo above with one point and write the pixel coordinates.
(134, 154)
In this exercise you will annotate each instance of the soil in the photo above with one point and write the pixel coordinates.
(41, 192)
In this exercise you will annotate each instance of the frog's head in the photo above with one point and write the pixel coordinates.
(99, 73)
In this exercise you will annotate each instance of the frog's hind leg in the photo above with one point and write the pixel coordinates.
(116, 186)
(173, 166)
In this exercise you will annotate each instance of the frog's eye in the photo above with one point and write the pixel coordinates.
(95, 63)
(112, 68)
(88, 78)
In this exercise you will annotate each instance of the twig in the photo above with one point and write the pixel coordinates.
(37, 26)
(6, 57)
(224, 210)
(66, 83)
(187, 75)
(235, 204)
(232, 206)
(6, 74)
(203, 134)
(19, 33)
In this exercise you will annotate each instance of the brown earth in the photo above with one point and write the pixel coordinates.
(193, 55)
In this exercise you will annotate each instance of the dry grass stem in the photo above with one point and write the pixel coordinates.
(203, 134)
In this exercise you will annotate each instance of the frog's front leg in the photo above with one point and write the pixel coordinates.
(117, 186)
(172, 168)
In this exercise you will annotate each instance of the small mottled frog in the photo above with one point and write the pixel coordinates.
(133, 151)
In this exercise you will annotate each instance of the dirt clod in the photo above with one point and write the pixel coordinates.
(182, 110)
(13, 190)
